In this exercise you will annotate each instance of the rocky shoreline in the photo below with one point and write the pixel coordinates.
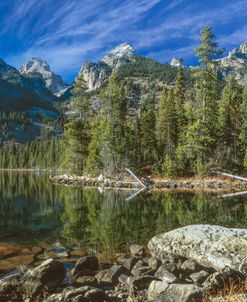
(194, 263)
(207, 183)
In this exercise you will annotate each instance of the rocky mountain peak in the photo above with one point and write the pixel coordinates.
(235, 64)
(36, 65)
(175, 62)
(53, 82)
(119, 54)
(95, 74)
(243, 47)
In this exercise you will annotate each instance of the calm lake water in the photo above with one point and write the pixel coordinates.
(33, 211)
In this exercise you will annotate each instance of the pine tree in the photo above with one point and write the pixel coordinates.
(207, 90)
(77, 131)
(76, 141)
(243, 112)
(148, 142)
(179, 94)
(113, 147)
(94, 162)
(166, 124)
(206, 84)
(230, 124)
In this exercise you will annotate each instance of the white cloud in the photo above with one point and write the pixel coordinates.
(67, 32)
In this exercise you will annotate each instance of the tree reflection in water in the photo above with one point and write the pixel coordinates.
(32, 211)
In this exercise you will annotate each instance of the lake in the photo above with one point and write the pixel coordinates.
(33, 211)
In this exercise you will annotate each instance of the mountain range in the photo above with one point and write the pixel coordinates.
(35, 89)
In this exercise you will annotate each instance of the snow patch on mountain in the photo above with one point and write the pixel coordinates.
(53, 81)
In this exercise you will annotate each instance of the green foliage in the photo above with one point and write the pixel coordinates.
(179, 95)
(144, 67)
(173, 129)
(40, 153)
(114, 132)
(243, 113)
(230, 124)
(168, 167)
(208, 50)
(76, 140)
(167, 124)
(148, 141)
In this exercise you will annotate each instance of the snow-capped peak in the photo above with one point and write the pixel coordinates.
(121, 52)
(175, 62)
(36, 65)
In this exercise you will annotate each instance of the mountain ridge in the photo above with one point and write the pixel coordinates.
(53, 82)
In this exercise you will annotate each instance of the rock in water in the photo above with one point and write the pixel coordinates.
(45, 278)
(210, 246)
(35, 284)
(86, 262)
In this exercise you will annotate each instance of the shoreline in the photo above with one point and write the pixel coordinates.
(209, 183)
(143, 273)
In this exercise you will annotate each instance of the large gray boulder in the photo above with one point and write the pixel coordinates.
(209, 245)
(86, 263)
(81, 294)
(181, 293)
(43, 279)
(36, 284)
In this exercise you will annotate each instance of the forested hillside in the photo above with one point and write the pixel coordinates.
(176, 134)
(154, 118)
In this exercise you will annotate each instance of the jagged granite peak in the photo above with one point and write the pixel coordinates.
(123, 52)
(175, 62)
(53, 81)
(96, 74)
(235, 64)
(243, 47)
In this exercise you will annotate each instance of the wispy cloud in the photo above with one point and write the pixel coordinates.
(67, 32)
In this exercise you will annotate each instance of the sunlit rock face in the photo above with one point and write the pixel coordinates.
(208, 245)
(175, 62)
(121, 54)
(96, 74)
(235, 64)
(53, 82)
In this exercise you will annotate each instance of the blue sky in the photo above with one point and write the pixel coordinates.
(65, 33)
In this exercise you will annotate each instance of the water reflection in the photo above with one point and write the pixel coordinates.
(32, 211)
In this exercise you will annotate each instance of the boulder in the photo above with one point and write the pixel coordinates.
(223, 279)
(166, 276)
(86, 262)
(189, 266)
(130, 263)
(139, 268)
(86, 281)
(42, 280)
(168, 267)
(199, 277)
(137, 250)
(154, 263)
(35, 284)
(156, 288)
(96, 295)
(208, 245)
(143, 282)
(10, 289)
(110, 276)
(181, 293)
(81, 294)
